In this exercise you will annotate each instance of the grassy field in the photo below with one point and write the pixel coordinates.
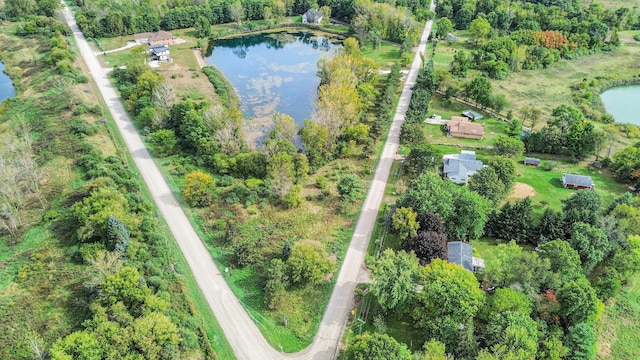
(548, 88)
(385, 55)
(619, 327)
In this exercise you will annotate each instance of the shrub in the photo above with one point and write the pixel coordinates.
(198, 191)
(164, 141)
(550, 165)
(293, 198)
(350, 188)
(80, 127)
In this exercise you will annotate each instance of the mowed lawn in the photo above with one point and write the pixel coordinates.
(548, 184)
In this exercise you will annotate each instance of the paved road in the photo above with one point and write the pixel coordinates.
(241, 332)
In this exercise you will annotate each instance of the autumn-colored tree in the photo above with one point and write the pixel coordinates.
(551, 39)
(198, 191)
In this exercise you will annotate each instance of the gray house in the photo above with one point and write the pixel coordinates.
(159, 53)
(460, 167)
(312, 16)
(461, 253)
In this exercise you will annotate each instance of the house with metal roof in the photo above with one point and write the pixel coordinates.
(159, 53)
(460, 167)
(572, 181)
(312, 16)
(461, 253)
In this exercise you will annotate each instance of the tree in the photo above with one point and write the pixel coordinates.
(479, 29)
(82, 345)
(281, 174)
(429, 193)
(469, 215)
(203, 27)
(578, 301)
(412, 134)
(591, 243)
(428, 245)
(124, 286)
(315, 138)
(155, 336)
(486, 183)
(443, 27)
(508, 146)
(581, 342)
(350, 188)
(507, 300)
(308, 263)
(284, 128)
(449, 291)
(512, 222)
(198, 190)
(404, 223)
(433, 350)
(93, 213)
(525, 344)
(117, 235)
(286, 250)
(394, 276)
(236, 12)
(564, 260)
(479, 90)
(377, 347)
(551, 226)
(163, 141)
(423, 157)
(588, 201)
(505, 168)
(499, 103)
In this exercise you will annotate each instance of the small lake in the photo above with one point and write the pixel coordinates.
(273, 71)
(6, 86)
(622, 103)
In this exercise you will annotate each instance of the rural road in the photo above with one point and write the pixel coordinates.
(241, 332)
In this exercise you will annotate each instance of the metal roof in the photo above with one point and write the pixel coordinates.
(580, 180)
(460, 253)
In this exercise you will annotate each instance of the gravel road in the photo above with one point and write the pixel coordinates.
(241, 332)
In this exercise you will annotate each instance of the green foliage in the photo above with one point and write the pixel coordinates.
(308, 263)
(591, 243)
(581, 342)
(350, 188)
(377, 347)
(293, 198)
(433, 350)
(479, 29)
(404, 223)
(315, 138)
(486, 183)
(423, 157)
(507, 300)
(512, 222)
(578, 302)
(394, 277)
(202, 27)
(429, 194)
(470, 212)
(512, 332)
(508, 146)
(479, 89)
(625, 163)
(444, 27)
(449, 291)
(163, 141)
(564, 260)
(93, 213)
(412, 134)
(117, 235)
(198, 190)
(78, 345)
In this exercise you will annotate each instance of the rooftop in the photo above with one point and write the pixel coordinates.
(472, 115)
(580, 180)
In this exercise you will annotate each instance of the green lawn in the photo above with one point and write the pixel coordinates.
(548, 184)
(385, 55)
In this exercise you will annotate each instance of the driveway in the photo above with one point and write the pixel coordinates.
(241, 332)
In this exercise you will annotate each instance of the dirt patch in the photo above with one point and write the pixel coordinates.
(521, 191)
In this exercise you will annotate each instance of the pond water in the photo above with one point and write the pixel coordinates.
(6, 86)
(273, 71)
(622, 103)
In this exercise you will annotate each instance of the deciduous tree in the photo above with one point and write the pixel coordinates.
(350, 188)
(394, 276)
(198, 190)
(378, 347)
(404, 223)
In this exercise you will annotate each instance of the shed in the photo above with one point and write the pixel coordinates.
(472, 115)
(461, 253)
(531, 161)
(572, 181)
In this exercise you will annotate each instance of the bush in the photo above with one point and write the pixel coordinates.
(636, 37)
(80, 127)
(164, 141)
(350, 188)
(550, 165)
(293, 198)
(198, 191)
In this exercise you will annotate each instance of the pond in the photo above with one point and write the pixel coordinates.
(622, 103)
(6, 86)
(273, 71)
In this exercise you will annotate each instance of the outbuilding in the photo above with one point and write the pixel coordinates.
(572, 181)
(531, 161)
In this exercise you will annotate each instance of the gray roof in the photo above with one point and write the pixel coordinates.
(472, 114)
(579, 180)
(529, 160)
(313, 15)
(460, 253)
(458, 167)
(158, 48)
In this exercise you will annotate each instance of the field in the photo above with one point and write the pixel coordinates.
(548, 88)
(619, 327)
